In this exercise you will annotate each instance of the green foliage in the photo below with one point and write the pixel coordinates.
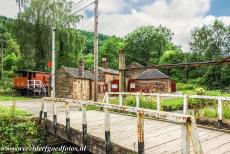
(211, 111)
(6, 85)
(185, 86)
(16, 130)
(211, 42)
(110, 49)
(11, 98)
(147, 44)
(88, 61)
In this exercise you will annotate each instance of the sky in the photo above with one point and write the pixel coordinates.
(120, 17)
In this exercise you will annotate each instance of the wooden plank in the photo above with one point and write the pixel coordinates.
(203, 137)
(166, 147)
(224, 148)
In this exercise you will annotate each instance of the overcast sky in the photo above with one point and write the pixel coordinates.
(119, 17)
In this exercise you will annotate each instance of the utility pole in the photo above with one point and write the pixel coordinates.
(2, 56)
(53, 63)
(96, 51)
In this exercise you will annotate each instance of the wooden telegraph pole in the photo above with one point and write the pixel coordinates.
(96, 51)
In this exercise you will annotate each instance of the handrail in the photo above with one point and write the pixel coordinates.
(36, 84)
(219, 99)
(187, 122)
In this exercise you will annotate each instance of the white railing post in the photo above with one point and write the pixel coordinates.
(158, 103)
(137, 101)
(107, 126)
(220, 108)
(185, 139)
(185, 104)
(120, 100)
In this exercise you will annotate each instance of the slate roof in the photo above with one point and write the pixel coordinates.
(108, 70)
(74, 72)
(151, 74)
(134, 65)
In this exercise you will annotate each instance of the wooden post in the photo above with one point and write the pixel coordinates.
(140, 131)
(41, 112)
(120, 100)
(45, 120)
(185, 139)
(158, 103)
(121, 71)
(67, 116)
(194, 136)
(107, 127)
(220, 108)
(137, 101)
(54, 117)
(185, 104)
(96, 51)
(84, 125)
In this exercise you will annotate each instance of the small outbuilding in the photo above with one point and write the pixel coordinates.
(151, 80)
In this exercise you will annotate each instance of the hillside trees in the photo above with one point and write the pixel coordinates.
(9, 50)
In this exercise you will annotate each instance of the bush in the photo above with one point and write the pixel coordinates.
(17, 129)
(145, 102)
(211, 112)
(6, 85)
(185, 86)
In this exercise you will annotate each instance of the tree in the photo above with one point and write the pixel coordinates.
(211, 42)
(147, 44)
(110, 49)
(38, 18)
(21, 4)
(174, 57)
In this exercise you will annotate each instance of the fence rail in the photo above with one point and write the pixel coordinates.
(219, 99)
(187, 122)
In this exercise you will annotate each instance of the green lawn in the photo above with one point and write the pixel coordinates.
(10, 98)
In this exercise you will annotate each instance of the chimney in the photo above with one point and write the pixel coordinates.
(81, 68)
(104, 63)
(121, 71)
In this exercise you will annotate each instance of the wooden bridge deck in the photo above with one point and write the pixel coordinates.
(160, 136)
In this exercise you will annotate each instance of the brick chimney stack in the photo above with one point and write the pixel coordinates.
(81, 68)
(104, 63)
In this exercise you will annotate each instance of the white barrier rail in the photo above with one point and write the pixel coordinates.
(219, 99)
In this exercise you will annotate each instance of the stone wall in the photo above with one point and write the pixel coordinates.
(81, 89)
(64, 86)
(153, 85)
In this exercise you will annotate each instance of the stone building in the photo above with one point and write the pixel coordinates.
(151, 80)
(78, 83)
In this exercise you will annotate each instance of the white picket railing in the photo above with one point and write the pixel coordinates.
(219, 99)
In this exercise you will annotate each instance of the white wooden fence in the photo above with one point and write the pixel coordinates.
(219, 99)
(187, 122)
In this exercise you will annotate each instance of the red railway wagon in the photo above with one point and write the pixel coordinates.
(27, 82)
